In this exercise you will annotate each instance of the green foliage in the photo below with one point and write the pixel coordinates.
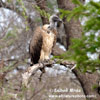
(75, 13)
(9, 1)
(89, 42)
(77, 2)
(10, 34)
(51, 5)
(20, 4)
(42, 12)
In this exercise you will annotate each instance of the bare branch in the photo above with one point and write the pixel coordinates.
(31, 70)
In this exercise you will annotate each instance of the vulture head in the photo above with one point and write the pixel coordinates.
(55, 22)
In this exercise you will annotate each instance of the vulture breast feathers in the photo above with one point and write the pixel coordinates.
(43, 40)
(42, 43)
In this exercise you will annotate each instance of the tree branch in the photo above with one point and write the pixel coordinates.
(31, 70)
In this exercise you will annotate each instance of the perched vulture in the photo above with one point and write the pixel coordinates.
(43, 40)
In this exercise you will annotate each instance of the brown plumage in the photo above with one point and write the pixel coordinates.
(36, 45)
(42, 43)
(43, 40)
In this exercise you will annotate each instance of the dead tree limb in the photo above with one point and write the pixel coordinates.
(32, 70)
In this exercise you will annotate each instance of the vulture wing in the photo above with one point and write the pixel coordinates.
(36, 45)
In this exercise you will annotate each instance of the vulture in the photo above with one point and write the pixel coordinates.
(43, 40)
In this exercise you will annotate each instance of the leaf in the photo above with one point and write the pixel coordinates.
(77, 2)
(69, 17)
(95, 4)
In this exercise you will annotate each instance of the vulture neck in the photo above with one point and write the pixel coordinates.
(54, 31)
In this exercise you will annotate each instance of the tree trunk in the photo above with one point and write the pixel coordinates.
(42, 5)
(73, 30)
(88, 82)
